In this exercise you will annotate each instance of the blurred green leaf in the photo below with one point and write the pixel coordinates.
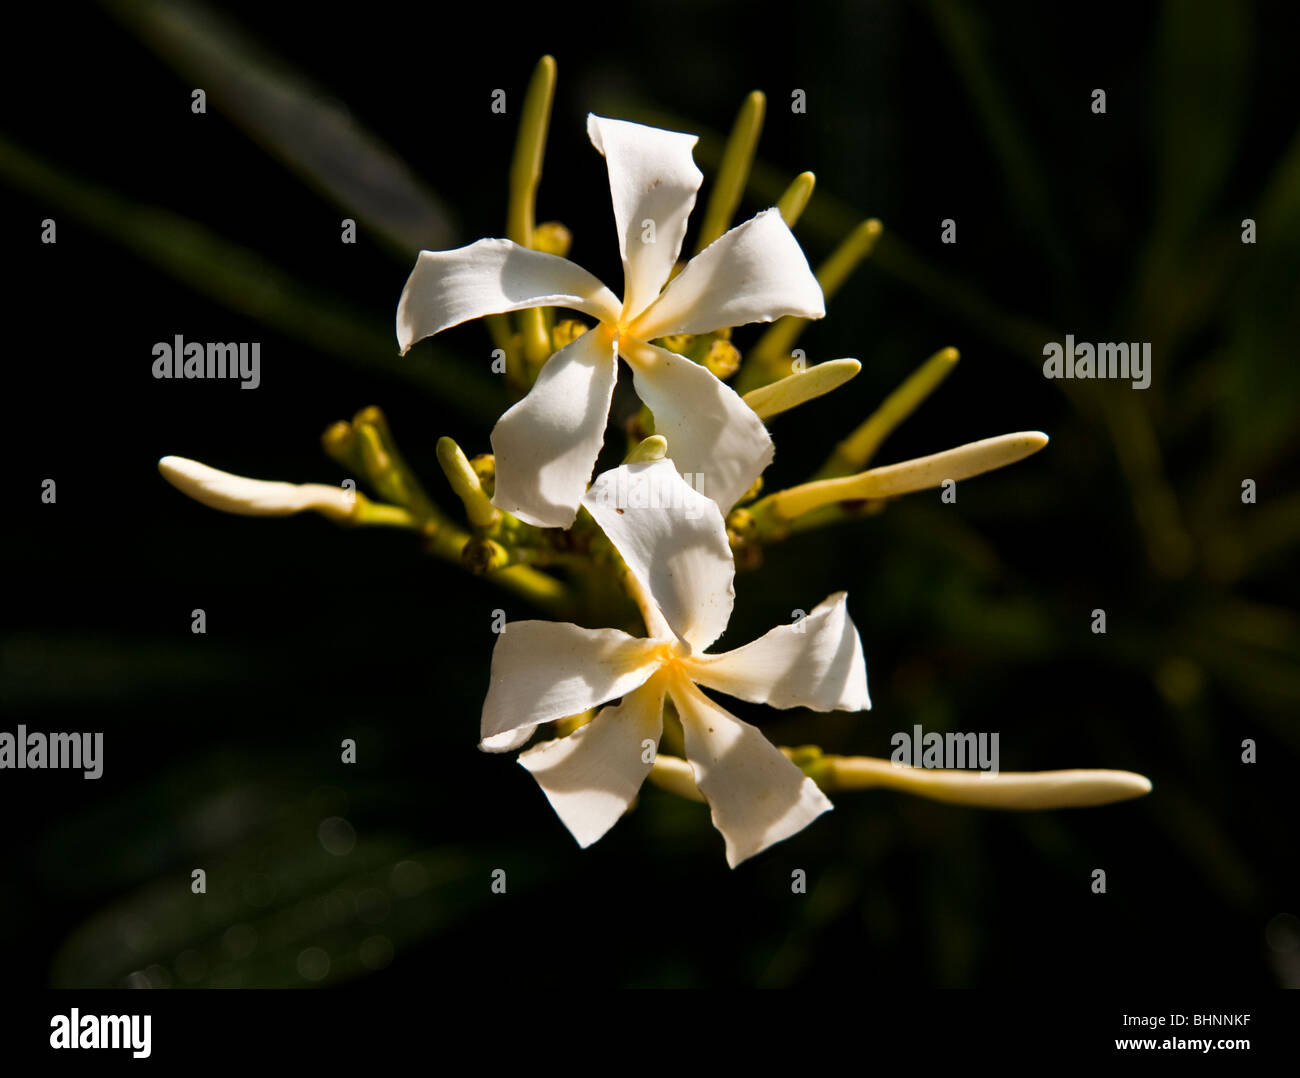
(247, 283)
(1202, 56)
(961, 32)
(308, 131)
(295, 895)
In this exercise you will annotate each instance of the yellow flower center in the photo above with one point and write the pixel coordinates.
(674, 659)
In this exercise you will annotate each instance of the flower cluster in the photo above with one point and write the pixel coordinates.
(667, 525)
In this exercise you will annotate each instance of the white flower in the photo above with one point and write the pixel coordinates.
(546, 445)
(681, 568)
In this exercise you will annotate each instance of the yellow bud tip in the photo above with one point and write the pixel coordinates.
(336, 434)
(649, 449)
(857, 246)
(480, 556)
(802, 386)
(455, 464)
(552, 238)
(465, 483)
(792, 203)
(485, 466)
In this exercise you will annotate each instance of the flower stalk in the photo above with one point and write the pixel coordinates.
(802, 386)
(773, 515)
(855, 452)
(1011, 790)
(482, 514)
(770, 358)
(791, 204)
(1023, 791)
(525, 175)
(384, 467)
(733, 172)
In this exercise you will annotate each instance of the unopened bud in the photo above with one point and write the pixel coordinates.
(552, 238)
(483, 556)
(565, 332)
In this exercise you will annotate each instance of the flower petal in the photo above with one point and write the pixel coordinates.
(815, 663)
(546, 444)
(756, 795)
(545, 670)
(714, 437)
(509, 741)
(491, 277)
(253, 497)
(653, 181)
(591, 776)
(673, 541)
(754, 273)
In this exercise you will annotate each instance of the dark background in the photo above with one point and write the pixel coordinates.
(222, 750)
